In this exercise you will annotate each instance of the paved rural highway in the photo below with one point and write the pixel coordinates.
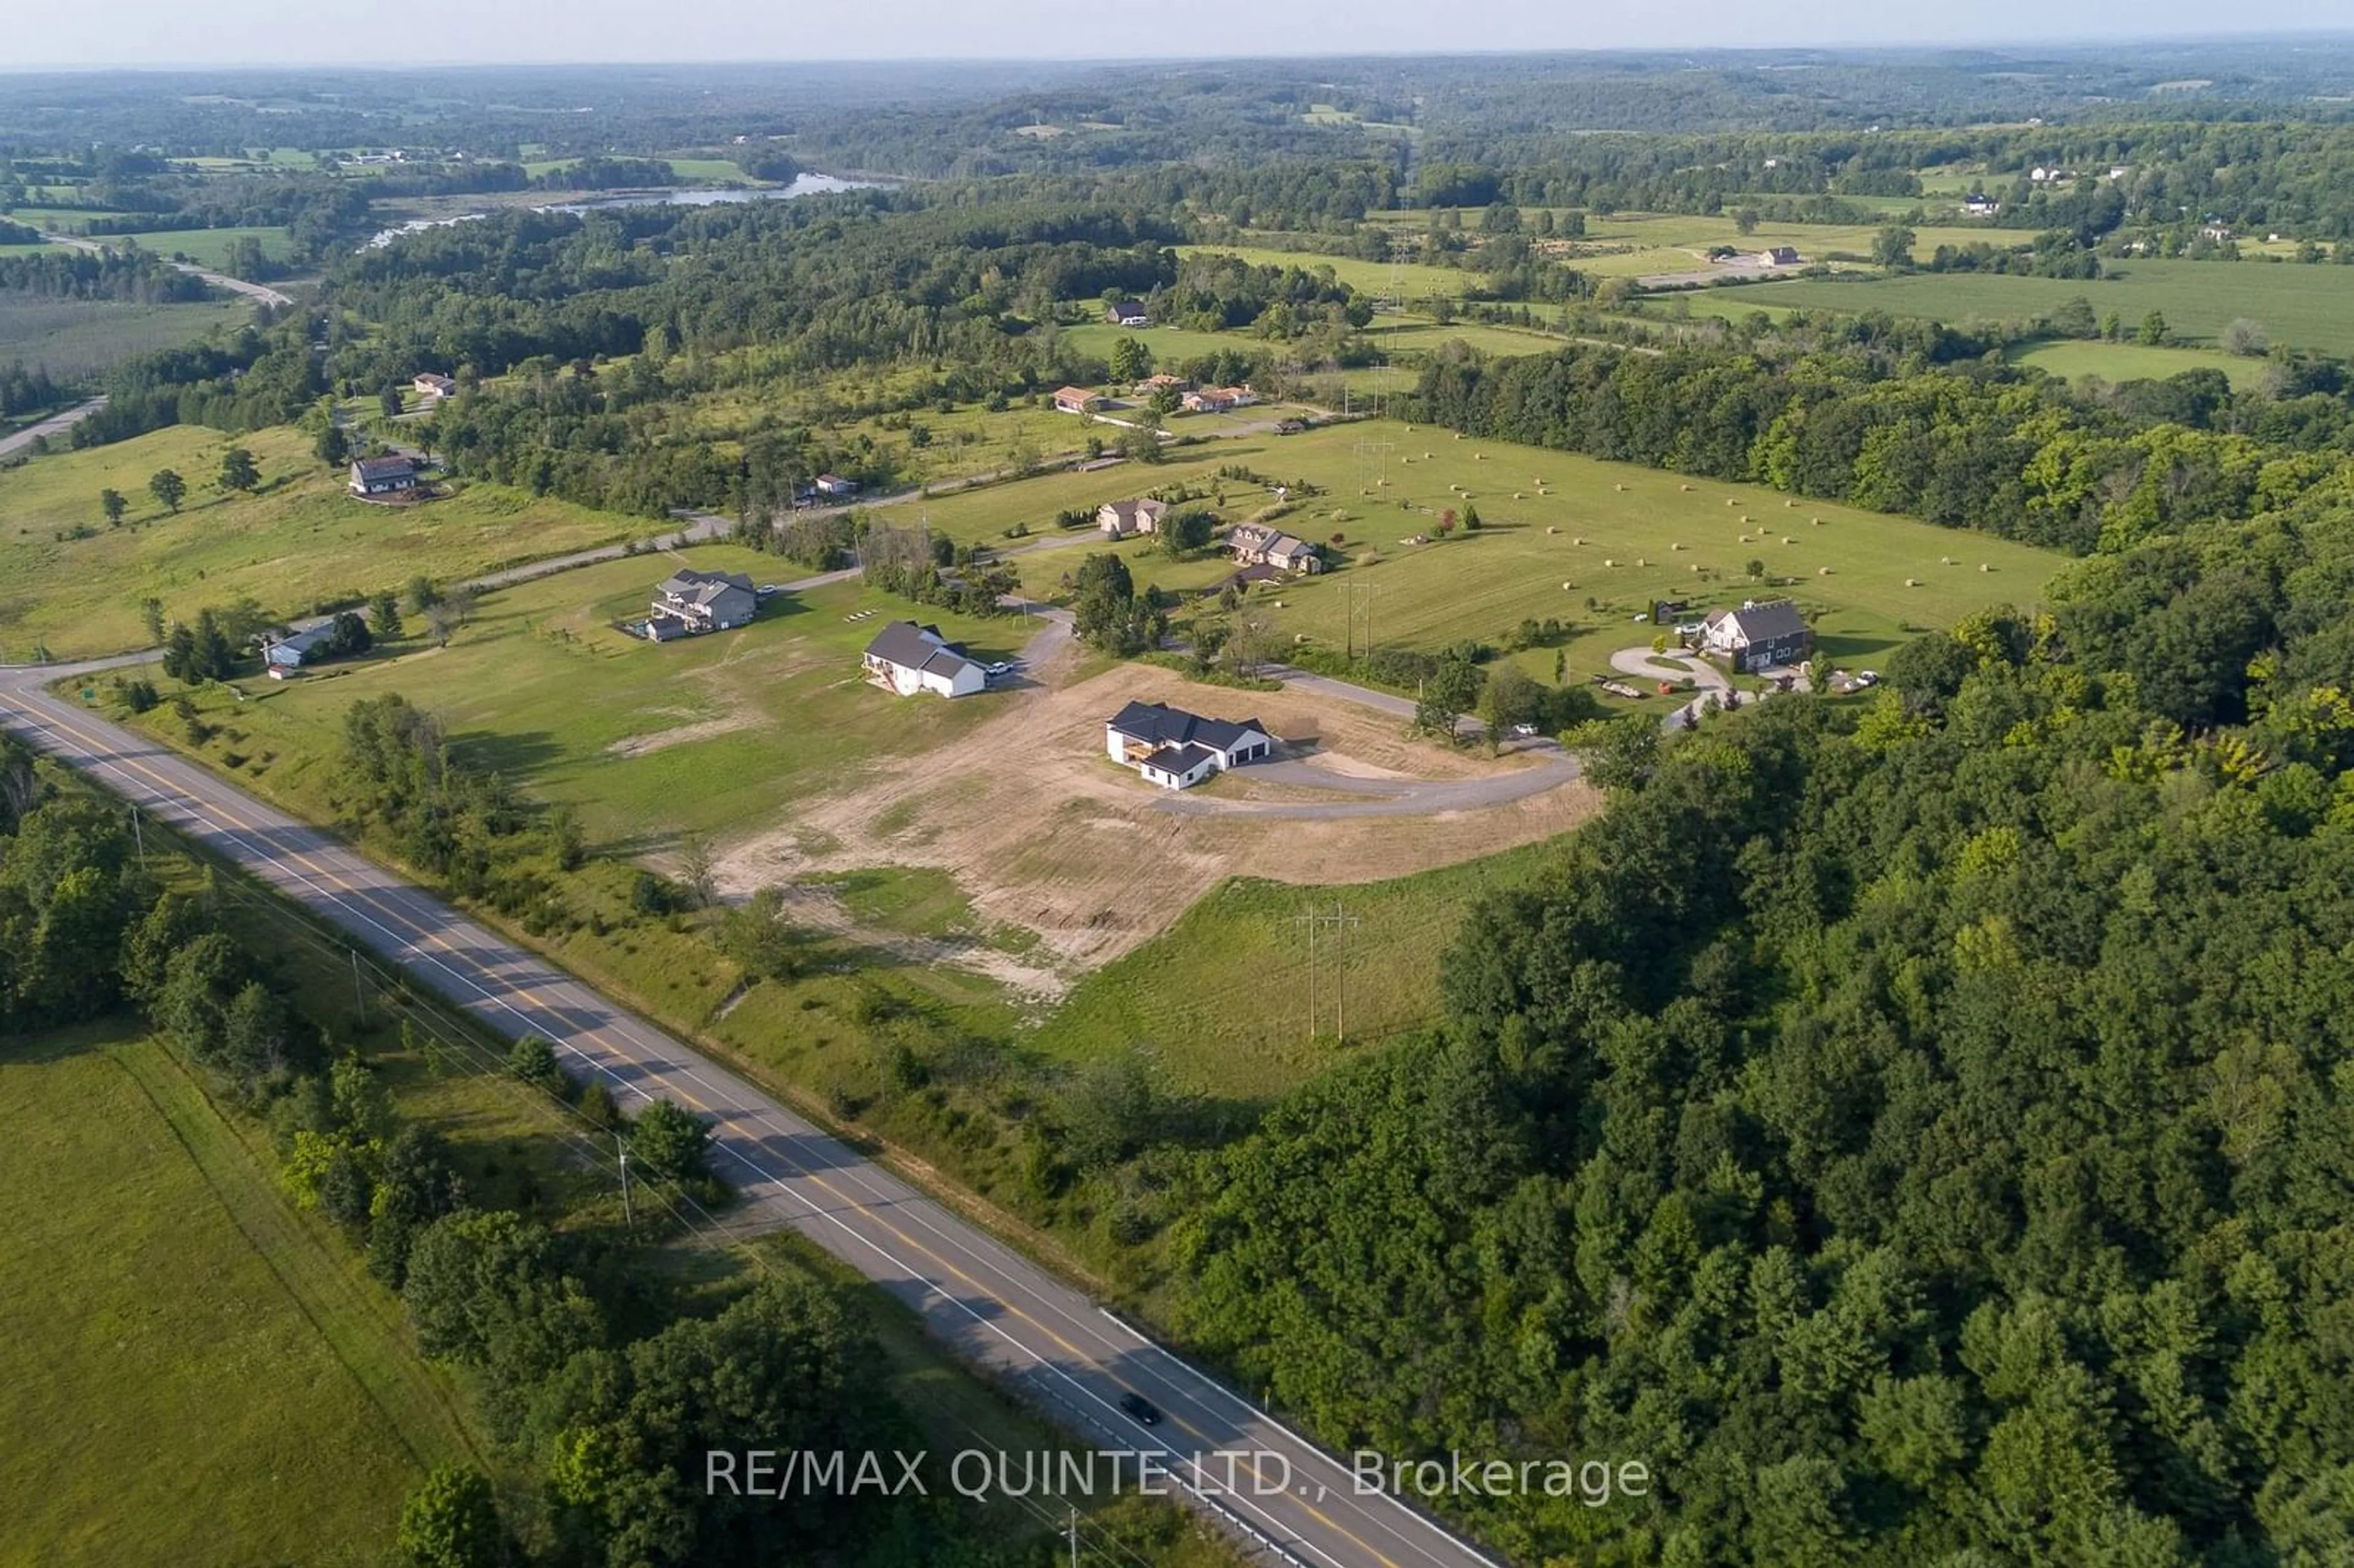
(986, 1301)
(55, 425)
(262, 292)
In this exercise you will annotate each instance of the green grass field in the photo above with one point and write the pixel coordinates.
(298, 542)
(2115, 362)
(57, 219)
(1513, 569)
(711, 171)
(80, 339)
(1407, 339)
(173, 1330)
(1638, 244)
(1417, 280)
(1667, 242)
(1222, 998)
(210, 247)
(704, 734)
(2305, 307)
(1170, 345)
(1485, 585)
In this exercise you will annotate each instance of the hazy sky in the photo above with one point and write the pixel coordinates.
(271, 32)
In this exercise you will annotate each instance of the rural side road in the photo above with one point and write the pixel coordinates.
(55, 425)
(261, 291)
(988, 1304)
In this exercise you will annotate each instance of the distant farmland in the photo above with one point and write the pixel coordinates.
(79, 338)
(2304, 306)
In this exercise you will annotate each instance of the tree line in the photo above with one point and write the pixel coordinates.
(1968, 445)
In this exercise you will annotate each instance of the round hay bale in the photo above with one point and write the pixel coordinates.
(1678, 546)
(1792, 505)
(1518, 496)
(1478, 457)
(1745, 538)
(1822, 571)
(1579, 540)
(1985, 567)
(1426, 454)
(1695, 565)
(1819, 522)
(1912, 582)
(1747, 518)
(1788, 540)
(1297, 638)
(1566, 587)
(1944, 560)
(1618, 487)
(1683, 487)
(1609, 562)
(1641, 562)
(1733, 501)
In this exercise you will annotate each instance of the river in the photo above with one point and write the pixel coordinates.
(803, 184)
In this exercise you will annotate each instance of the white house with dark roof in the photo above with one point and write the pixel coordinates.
(1129, 313)
(384, 479)
(1757, 636)
(906, 659)
(1176, 749)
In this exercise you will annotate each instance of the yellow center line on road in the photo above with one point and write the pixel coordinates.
(303, 862)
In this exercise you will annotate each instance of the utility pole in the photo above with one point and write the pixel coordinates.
(1356, 594)
(139, 832)
(1308, 918)
(360, 988)
(1075, 1536)
(629, 1219)
(1342, 923)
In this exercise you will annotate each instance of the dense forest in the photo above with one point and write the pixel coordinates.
(136, 276)
(1923, 1136)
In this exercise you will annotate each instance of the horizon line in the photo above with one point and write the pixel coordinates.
(2045, 45)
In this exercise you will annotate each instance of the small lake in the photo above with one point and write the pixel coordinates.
(803, 184)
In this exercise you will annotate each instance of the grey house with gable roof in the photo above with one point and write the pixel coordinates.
(1757, 636)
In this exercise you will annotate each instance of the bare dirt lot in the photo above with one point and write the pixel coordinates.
(1045, 833)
